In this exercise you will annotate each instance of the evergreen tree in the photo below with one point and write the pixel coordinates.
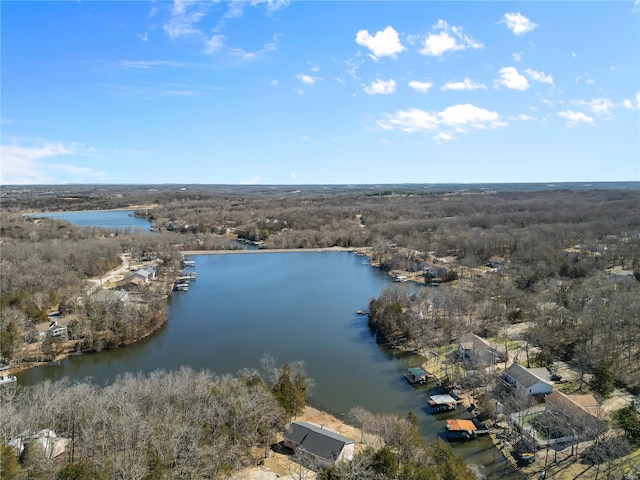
(291, 394)
(603, 378)
(9, 465)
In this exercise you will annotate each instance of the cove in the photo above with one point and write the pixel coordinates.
(293, 306)
(107, 219)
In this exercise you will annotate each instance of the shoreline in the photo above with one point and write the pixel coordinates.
(268, 250)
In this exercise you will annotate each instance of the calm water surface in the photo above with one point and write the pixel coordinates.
(110, 219)
(294, 306)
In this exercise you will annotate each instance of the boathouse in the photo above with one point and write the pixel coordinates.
(461, 429)
(323, 446)
(417, 375)
(442, 403)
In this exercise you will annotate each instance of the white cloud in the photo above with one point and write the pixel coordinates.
(32, 164)
(419, 86)
(273, 83)
(525, 117)
(293, 175)
(149, 64)
(381, 87)
(603, 107)
(252, 181)
(184, 17)
(214, 44)
(573, 118)
(638, 99)
(461, 116)
(443, 137)
(385, 43)
(539, 76)
(518, 23)
(306, 79)
(144, 37)
(251, 56)
(410, 121)
(236, 8)
(447, 39)
(457, 118)
(517, 56)
(510, 78)
(466, 84)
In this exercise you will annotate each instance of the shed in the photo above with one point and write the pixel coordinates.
(324, 446)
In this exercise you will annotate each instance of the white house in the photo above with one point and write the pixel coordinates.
(52, 445)
(529, 381)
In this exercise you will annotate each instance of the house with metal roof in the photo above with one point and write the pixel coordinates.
(442, 403)
(324, 446)
(529, 381)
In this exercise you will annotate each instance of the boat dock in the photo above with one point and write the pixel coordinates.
(417, 375)
(442, 403)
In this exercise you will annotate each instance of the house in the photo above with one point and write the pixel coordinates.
(52, 445)
(477, 350)
(111, 297)
(324, 446)
(496, 262)
(143, 274)
(54, 328)
(528, 381)
(582, 412)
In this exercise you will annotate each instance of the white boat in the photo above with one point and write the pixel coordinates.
(5, 378)
(181, 287)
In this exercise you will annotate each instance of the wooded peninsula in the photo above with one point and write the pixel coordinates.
(515, 283)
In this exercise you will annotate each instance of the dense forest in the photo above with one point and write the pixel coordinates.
(564, 265)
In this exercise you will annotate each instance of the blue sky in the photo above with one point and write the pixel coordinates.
(327, 92)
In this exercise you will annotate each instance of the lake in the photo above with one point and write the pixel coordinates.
(108, 219)
(293, 306)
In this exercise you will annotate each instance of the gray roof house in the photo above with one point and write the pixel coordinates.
(529, 381)
(477, 350)
(324, 446)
